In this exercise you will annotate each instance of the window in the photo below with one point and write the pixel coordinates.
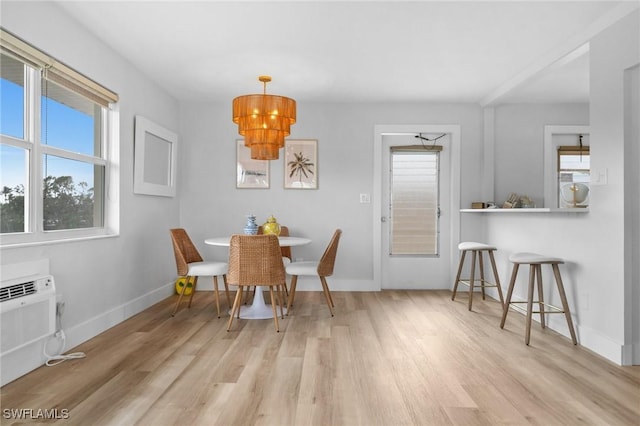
(573, 176)
(56, 147)
(414, 209)
(566, 166)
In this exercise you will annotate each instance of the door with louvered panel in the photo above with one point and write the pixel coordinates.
(414, 227)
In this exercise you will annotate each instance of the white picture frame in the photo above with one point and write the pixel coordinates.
(155, 159)
(250, 173)
(301, 164)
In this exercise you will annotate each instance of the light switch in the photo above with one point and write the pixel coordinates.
(365, 199)
(598, 177)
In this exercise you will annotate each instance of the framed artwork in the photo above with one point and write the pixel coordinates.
(250, 173)
(301, 164)
(155, 164)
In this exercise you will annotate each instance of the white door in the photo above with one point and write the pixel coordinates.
(416, 211)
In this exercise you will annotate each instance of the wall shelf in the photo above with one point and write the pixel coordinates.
(534, 210)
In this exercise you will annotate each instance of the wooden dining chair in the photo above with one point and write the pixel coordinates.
(256, 260)
(191, 265)
(322, 269)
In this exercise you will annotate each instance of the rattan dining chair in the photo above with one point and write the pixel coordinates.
(190, 264)
(322, 268)
(286, 259)
(256, 260)
(286, 250)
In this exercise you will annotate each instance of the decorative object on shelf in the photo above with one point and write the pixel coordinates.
(478, 205)
(526, 202)
(251, 228)
(301, 164)
(575, 194)
(512, 201)
(271, 226)
(264, 121)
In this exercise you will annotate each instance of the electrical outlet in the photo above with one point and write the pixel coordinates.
(584, 301)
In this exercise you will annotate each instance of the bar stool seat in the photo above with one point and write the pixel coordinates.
(535, 262)
(477, 250)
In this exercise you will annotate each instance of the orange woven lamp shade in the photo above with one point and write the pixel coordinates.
(264, 121)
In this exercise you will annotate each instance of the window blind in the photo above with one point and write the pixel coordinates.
(55, 70)
(414, 200)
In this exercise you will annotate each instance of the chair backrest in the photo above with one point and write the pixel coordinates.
(286, 251)
(184, 250)
(284, 232)
(255, 260)
(328, 259)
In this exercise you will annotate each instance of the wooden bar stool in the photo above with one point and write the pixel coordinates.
(477, 250)
(535, 262)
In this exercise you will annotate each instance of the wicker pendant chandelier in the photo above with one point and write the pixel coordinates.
(264, 121)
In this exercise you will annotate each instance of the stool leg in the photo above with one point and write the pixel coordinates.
(532, 273)
(495, 275)
(565, 305)
(455, 285)
(507, 302)
(473, 271)
(480, 256)
(540, 295)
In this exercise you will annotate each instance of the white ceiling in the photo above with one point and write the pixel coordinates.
(363, 51)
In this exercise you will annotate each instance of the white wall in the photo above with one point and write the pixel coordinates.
(599, 267)
(632, 205)
(519, 137)
(211, 204)
(107, 280)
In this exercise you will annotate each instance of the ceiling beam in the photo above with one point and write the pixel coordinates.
(561, 54)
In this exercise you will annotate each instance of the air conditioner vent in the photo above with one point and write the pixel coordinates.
(18, 290)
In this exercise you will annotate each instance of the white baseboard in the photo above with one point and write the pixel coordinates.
(92, 327)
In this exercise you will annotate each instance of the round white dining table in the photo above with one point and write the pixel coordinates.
(284, 241)
(258, 309)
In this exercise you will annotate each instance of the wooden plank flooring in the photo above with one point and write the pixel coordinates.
(386, 358)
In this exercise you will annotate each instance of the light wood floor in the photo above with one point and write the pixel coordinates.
(387, 358)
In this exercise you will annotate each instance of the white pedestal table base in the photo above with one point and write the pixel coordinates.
(258, 309)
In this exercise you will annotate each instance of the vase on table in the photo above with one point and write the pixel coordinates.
(251, 228)
(271, 226)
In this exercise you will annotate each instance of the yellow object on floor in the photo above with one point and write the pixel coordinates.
(180, 282)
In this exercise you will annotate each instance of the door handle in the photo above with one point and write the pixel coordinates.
(383, 219)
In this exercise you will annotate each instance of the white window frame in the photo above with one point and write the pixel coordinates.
(34, 230)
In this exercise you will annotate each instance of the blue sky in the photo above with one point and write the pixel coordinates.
(64, 128)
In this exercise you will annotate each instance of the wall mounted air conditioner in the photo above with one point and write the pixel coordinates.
(27, 310)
